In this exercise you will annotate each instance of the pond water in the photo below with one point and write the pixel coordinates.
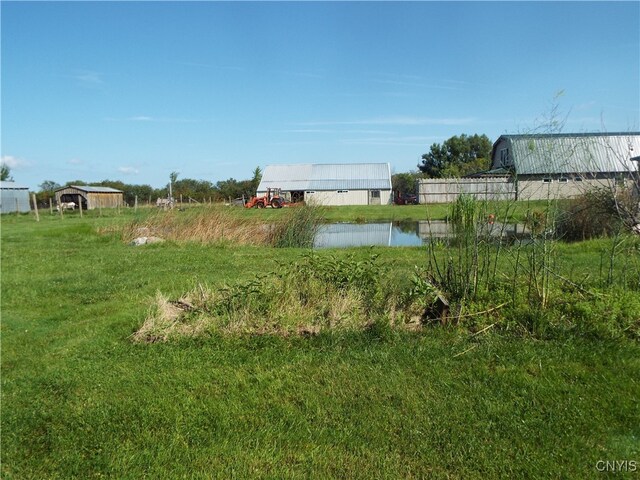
(401, 234)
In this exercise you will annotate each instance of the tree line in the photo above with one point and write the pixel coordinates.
(185, 188)
(457, 156)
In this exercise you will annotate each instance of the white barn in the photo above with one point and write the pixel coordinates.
(331, 184)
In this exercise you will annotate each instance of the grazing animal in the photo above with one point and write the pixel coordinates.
(164, 202)
(66, 206)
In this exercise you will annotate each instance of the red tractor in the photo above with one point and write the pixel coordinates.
(273, 198)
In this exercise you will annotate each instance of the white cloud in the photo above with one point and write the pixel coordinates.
(149, 118)
(397, 120)
(395, 140)
(400, 83)
(88, 78)
(128, 170)
(75, 161)
(13, 162)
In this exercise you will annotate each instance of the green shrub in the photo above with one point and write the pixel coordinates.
(314, 294)
(599, 212)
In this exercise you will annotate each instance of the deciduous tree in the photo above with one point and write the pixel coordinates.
(457, 156)
(5, 173)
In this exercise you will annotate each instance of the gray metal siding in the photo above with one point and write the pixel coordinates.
(14, 197)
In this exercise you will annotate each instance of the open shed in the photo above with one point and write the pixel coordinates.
(14, 198)
(90, 197)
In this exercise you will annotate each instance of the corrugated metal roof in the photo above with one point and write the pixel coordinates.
(91, 189)
(12, 186)
(343, 176)
(572, 153)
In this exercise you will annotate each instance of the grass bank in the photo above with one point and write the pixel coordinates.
(351, 213)
(81, 400)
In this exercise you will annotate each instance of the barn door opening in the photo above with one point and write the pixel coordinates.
(297, 196)
(374, 197)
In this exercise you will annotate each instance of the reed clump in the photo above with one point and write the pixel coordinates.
(298, 228)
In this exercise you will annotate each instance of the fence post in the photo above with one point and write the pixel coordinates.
(50, 206)
(80, 205)
(135, 204)
(35, 206)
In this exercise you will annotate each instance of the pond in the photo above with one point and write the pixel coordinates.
(401, 234)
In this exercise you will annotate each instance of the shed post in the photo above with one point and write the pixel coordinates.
(35, 206)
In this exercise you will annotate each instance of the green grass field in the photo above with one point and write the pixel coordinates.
(81, 400)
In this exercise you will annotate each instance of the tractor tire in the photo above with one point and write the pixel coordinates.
(260, 205)
(276, 203)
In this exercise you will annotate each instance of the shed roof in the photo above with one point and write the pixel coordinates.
(12, 186)
(91, 189)
(571, 152)
(318, 176)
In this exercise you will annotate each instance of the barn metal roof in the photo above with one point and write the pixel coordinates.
(12, 186)
(91, 189)
(343, 176)
(571, 153)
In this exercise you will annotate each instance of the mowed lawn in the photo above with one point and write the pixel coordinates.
(81, 400)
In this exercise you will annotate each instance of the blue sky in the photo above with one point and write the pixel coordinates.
(133, 91)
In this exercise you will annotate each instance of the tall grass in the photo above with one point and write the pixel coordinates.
(298, 228)
(293, 227)
(466, 265)
(198, 225)
(475, 265)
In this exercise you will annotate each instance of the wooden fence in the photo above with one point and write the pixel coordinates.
(445, 190)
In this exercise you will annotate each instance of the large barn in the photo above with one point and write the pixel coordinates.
(542, 166)
(565, 165)
(14, 198)
(90, 197)
(331, 184)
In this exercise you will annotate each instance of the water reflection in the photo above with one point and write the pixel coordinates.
(402, 234)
